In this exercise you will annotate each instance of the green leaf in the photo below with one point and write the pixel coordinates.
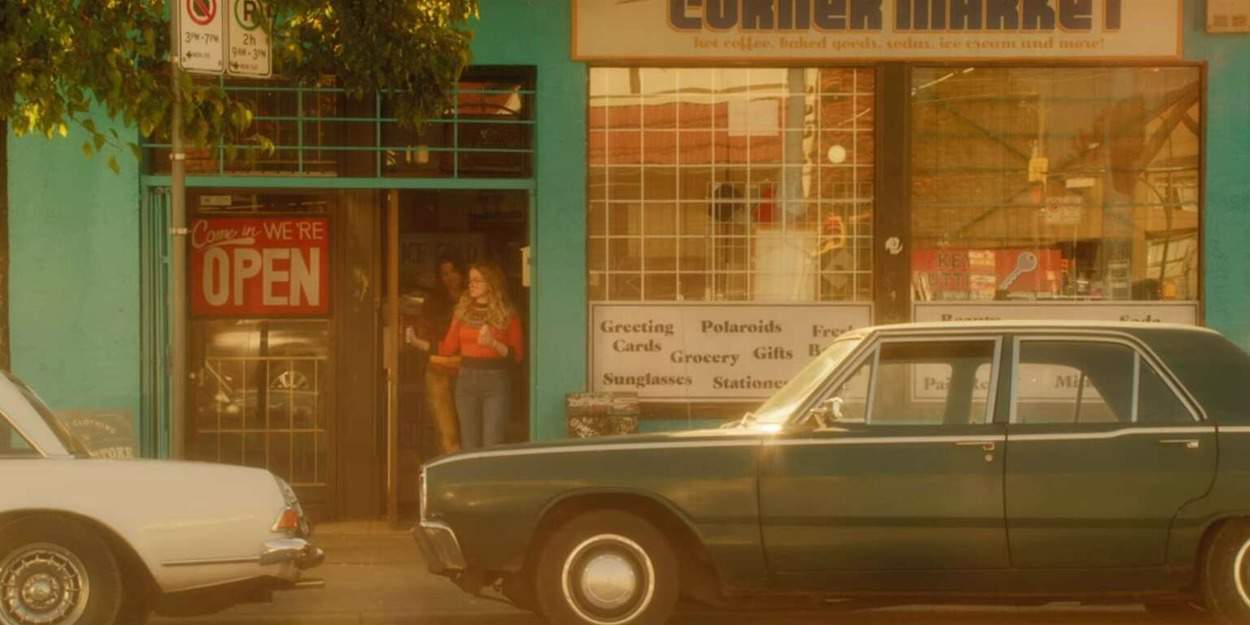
(87, 150)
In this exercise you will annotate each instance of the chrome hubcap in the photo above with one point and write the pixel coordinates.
(608, 580)
(1241, 572)
(42, 585)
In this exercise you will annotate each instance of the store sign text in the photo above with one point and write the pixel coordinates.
(710, 352)
(875, 29)
(830, 15)
(260, 267)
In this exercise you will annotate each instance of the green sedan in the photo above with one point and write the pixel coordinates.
(983, 462)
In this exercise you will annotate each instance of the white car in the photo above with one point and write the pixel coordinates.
(97, 542)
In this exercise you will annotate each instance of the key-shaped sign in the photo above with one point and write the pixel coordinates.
(1025, 262)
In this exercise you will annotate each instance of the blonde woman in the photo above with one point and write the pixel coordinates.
(486, 333)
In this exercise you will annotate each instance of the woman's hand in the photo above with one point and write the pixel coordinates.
(486, 338)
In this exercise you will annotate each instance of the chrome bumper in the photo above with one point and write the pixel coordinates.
(440, 546)
(298, 551)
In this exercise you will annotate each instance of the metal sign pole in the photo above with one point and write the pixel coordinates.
(177, 254)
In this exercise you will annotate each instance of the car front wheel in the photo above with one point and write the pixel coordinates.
(1226, 573)
(56, 572)
(607, 568)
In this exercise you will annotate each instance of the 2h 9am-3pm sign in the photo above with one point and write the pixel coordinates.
(260, 267)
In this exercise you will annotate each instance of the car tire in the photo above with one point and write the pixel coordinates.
(1226, 573)
(58, 571)
(607, 568)
(136, 609)
(519, 589)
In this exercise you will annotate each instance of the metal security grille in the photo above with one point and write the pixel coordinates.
(318, 130)
(731, 184)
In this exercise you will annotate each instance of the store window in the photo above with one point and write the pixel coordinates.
(1055, 184)
(731, 184)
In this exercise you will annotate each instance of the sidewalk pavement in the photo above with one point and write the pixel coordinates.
(373, 575)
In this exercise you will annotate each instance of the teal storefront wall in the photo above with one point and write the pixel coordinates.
(75, 232)
(539, 33)
(74, 274)
(1226, 226)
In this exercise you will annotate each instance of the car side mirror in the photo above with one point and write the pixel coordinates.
(828, 411)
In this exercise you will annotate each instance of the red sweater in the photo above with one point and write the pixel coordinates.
(462, 339)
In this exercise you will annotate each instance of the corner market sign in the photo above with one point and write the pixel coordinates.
(761, 30)
(224, 36)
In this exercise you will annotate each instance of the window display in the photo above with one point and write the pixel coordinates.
(1074, 183)
(731, 184)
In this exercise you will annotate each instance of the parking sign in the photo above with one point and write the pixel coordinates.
(249, 52)
(201, 36)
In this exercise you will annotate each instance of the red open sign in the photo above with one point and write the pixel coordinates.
(260, 267)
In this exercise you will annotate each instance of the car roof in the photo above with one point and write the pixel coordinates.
(1034, 325)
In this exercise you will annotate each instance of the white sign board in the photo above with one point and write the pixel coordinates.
(1228, 16)
(249, 51)
(827, 30)
(1185, 313)
(201, 36)
(710, 352)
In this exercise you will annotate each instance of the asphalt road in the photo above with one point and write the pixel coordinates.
(1053, 615)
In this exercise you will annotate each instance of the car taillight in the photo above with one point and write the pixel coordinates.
(288, 522)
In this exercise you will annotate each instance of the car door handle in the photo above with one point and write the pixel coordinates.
(983, 445)
(1187, 443)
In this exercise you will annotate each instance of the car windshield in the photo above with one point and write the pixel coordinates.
(63, 434)
(778, 408)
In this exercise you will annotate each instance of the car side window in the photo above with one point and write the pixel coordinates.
(12, 444)
(932, 383)
(848, 402)
(1074, 382)
(1157, 403)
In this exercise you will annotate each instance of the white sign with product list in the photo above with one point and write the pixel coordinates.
(1185, 313)
(1042, 382)
(753, 30)
(710, 352)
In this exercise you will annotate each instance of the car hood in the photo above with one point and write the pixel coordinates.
(679, 438)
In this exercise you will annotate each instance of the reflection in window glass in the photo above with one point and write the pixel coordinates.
(757, 180)
(932, 383)
(1070, 382)
(1075, 183)
(261, 396)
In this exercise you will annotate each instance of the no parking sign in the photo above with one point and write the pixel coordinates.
(201, 36)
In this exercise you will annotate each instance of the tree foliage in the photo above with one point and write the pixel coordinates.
(59, 59)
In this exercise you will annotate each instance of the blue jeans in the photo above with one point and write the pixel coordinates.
(483, 403)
